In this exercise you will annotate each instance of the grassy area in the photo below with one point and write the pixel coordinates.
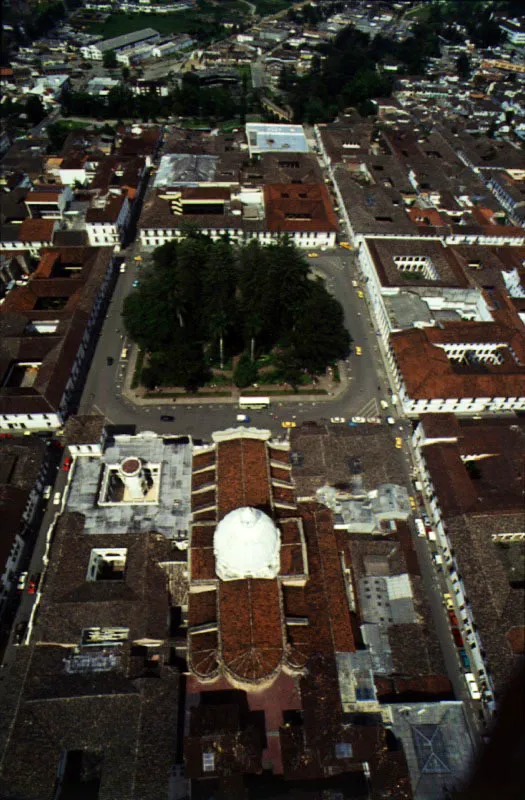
(182, 395)
(195, 22)
(135, 383)
(119, 24)
(266, 7)
(418, 13)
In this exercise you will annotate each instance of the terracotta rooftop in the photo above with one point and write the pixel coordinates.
(43, 197)
(298, 207)
(109, 213)
(37, 230)
(242, 475)
(251, 629)
(428, 373)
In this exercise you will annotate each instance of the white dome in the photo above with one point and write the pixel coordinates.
(246, 544)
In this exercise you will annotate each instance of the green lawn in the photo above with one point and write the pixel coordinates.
(266, 7)
(419, 13)
(204, 17)
(119, 24)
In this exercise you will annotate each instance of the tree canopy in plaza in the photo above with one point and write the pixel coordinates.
(203, 301)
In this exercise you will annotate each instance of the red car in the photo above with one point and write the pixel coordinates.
(33, 584)
(66, 466)
(453, 619)
(458, 639)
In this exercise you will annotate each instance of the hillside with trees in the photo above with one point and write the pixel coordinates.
(201, 303)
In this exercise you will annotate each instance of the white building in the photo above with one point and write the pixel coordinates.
(119, 44)
(265, 138)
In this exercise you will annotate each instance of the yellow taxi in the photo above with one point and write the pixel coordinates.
(138, 258)
(448, 601)
(346, 245)
(358, 350)
(288, 423)
(399, 442)
(360, 294)
(313, 255)
(412, 503)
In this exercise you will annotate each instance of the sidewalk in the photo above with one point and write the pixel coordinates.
(136, 396)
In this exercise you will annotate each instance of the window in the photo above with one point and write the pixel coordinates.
(208, 762)
(104, 636)
(107, 564)
(343, 750)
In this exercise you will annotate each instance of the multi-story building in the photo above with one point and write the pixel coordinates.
(463, 367)
(22, 473)
(47, 327)
(119, 44)
(472, 475)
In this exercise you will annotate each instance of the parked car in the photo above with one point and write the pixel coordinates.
(32, 586)
(448, 600)
(46, 494)
(357, 420)
(288, 423)
(360, 294)
(166, 418)
(20, 631)
(57, 498)
(355, 284)
(412, 502)
(452, 617)
(66, 466)
(399, 442)
(458, 639)
(22, 580)
(242, 418)
(465, 661)
(337, 420)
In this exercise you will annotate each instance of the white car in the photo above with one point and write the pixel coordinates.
(22, 580)
(358, 419)
(391, 420)
(57, 498)
(337, 420)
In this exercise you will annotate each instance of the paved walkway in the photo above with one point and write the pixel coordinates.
(136, 396)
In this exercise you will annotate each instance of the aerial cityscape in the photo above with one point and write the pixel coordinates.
(262, 400)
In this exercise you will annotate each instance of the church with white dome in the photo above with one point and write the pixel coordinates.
(246, 544)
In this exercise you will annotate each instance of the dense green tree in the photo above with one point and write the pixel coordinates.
(245, 372)
(34, 109)
(109, 59)
(319, 337)
(202, 297)
(463, 66)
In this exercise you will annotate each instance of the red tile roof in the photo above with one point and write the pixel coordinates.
(201, 460)
(298, 207)
(202, 564)
(242, 475)
(251, 628)
(43, 197)
(516, 638)
(37, 230)
(428, 372)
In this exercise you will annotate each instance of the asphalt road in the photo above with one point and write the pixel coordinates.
(367, 385)
(360, 398)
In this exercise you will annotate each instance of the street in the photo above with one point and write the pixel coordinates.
(361, 397)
